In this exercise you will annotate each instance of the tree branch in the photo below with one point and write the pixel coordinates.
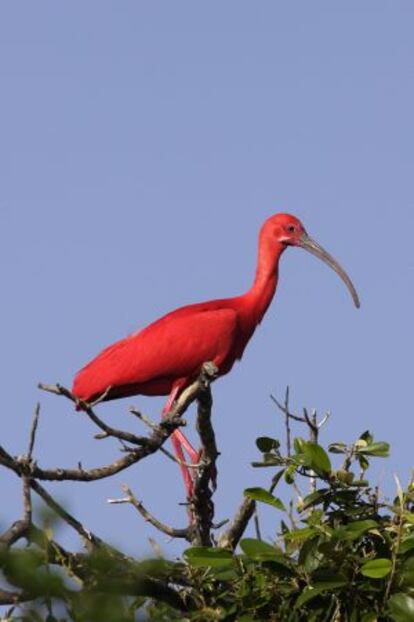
(149, 518)
(160, 434)
(231, 537)
(201, 503)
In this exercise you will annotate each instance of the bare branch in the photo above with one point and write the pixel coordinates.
(169, 455)
(33, 431)
(17, 530)
(230, 538)
(148, 517)
(20, 528)
(27, 500)
(201, 504)
(57, 389)
(153, 426)
(285, 410)
(257, 524)
(324, 419)
(162, 432)
(287, 423)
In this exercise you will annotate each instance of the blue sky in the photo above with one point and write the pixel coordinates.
(142, 144)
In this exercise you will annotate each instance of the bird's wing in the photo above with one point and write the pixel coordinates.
(174, 347)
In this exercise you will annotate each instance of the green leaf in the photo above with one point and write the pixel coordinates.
(276, 478)
(331, 585)
(290, 474)
(409, 516)
(309, 556)
(260, 494)
(155, 567)
(406, 573)
(205, 556)
(266, 444)
(316, 497)
(258, 550)
(298, 444)
(401, 607)
(308, 594)
(315, 518)
(363, 461)
(367, 437)
(311, 591)
(317, 458)
(345, 477)
(406, 545)
(224, 573)
(299, 534)
(380, 450)
(354, 530)
(269, 459)
(377, 568)
(337, 448)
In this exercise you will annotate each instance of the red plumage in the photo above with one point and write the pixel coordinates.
(150, 361)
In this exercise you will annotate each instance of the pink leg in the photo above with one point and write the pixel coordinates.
(194, 455)
(180, 441)
(188, 481)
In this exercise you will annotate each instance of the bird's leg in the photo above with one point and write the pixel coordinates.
(195, 456)
(183, 440)
(193, 453)
(179, 441)
(188, 480)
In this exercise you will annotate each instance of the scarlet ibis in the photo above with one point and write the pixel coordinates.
(167, 355)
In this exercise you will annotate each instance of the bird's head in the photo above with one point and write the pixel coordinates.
(287, 230)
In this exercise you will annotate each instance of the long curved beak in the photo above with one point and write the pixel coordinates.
(316, 249)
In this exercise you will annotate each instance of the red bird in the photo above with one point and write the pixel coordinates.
(167, 355)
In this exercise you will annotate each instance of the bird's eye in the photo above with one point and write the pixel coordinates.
(291, 228)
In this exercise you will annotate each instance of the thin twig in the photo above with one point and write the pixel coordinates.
(285, 410)
(58, 389)
(287, 423)
(133, 411)
(166, 529)
(27, 500)
(33, 431)
(189, 465)
(257, 524)
(16, 531)
(397, 542)
(312, 424)
(153, 426)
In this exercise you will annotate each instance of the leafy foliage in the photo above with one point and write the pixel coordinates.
(340, 552)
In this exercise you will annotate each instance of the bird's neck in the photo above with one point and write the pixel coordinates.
(259, 297)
